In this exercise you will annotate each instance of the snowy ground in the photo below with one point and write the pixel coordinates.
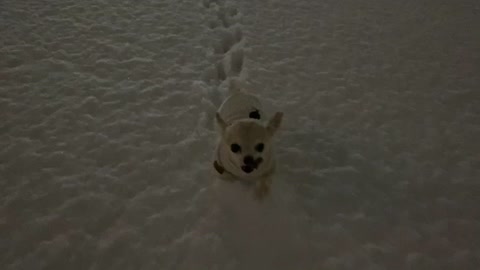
(106, 134)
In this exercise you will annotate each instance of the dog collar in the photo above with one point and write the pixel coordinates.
(219, 168)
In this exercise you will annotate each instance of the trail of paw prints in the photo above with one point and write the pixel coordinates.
(226, 54)
(227, 49)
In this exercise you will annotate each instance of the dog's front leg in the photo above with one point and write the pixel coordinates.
(262, 188)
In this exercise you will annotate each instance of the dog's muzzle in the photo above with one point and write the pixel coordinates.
(250, 164)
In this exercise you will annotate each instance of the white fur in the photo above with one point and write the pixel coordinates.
(235, 125)
(238, 105)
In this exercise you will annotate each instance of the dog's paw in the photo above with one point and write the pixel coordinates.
(261, 191)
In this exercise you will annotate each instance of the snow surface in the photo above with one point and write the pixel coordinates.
(106, 134)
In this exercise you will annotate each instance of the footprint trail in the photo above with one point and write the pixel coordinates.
(226, 55)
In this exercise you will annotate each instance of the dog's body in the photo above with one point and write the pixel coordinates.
(244, 151)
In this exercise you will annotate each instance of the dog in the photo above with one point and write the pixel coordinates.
(244, 151)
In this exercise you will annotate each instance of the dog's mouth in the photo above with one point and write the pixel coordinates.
(250, 167)
(247, 168)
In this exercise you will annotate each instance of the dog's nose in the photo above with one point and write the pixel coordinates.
(248, 160)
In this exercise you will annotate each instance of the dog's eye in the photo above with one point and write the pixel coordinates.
(259, 147)
(235, 148)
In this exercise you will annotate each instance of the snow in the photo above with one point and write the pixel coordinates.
(106, 134)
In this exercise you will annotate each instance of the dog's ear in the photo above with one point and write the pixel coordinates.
(220, 122)
(274, 123)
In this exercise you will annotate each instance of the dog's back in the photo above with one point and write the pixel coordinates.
(241, 105)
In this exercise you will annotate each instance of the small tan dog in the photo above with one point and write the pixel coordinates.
(244, 151)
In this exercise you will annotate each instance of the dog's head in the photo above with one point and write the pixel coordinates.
(248, 141)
